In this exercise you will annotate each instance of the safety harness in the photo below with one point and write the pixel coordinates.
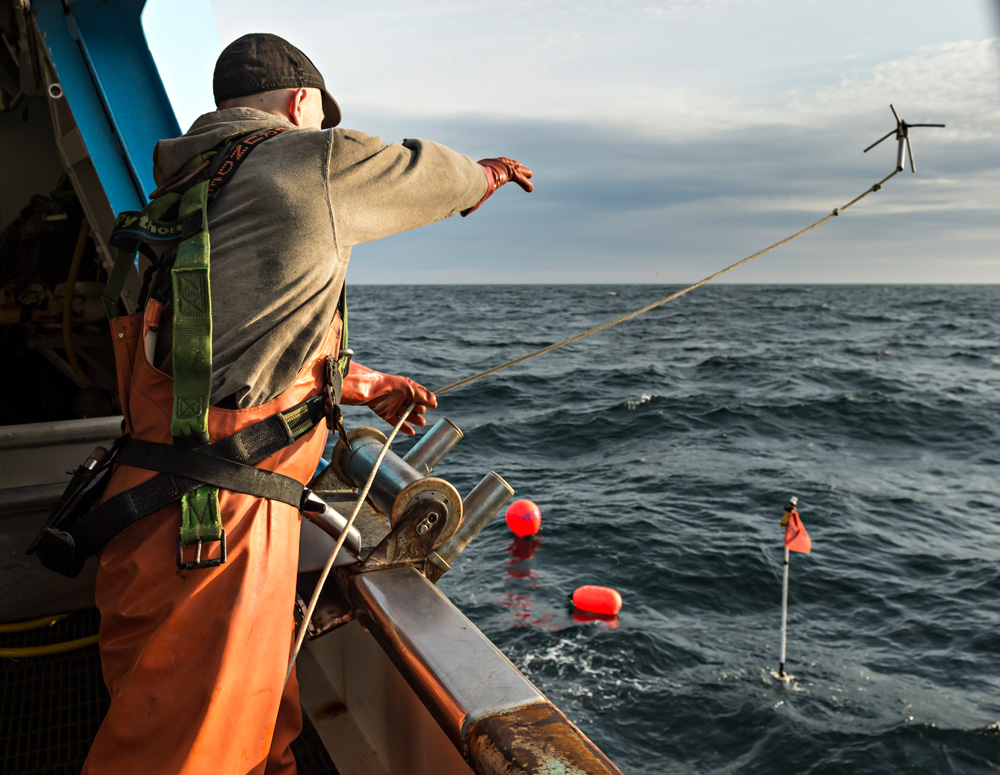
(172, 233)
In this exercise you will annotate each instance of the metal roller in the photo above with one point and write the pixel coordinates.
(398, 486)
(480, 506)
(433, 446)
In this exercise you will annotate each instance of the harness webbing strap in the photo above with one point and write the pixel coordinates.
(128, 241)
(232, 155)
(201, 519)
(247, 447)
(133, 226)
(210, 469)
(192, 329)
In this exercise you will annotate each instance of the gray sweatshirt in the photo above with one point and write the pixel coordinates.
(282, 228)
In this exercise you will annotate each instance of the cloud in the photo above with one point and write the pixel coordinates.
(982, 234)
(611, 206)
(664, 68)
(956, 81)
(686, 8)
(670, 139)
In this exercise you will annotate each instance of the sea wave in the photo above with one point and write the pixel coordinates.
(662, 452)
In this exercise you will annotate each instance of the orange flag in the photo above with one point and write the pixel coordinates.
(796, 537)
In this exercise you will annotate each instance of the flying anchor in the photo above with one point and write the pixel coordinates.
(901, 131)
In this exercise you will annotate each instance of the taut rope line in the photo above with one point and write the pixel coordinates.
(659, 303)
(363, 493)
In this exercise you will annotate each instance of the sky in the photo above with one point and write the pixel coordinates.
(668, 139)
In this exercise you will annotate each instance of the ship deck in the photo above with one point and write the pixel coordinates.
(52, 705)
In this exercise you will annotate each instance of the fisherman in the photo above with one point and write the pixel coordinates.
(195, 659)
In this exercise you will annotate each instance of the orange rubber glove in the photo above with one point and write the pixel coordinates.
(498, 172)
(387, 395)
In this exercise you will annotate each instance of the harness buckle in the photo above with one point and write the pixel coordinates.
(198, 563)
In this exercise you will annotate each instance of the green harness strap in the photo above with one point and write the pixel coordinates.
(192, 321)
(201, 519)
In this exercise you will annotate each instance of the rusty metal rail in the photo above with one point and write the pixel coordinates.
(496, 718)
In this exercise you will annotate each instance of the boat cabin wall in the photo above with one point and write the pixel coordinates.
(82, 75)
(28, 155)
(57, 375)
(55, 354)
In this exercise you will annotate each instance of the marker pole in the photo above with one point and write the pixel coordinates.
(784, 619)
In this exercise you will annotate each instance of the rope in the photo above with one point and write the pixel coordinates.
(656, 304)
(475, 377)
(362, 494)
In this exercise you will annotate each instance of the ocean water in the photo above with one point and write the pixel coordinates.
(661, 453)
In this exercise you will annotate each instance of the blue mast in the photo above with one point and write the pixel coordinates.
(107, 76)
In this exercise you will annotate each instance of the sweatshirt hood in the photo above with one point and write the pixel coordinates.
(206, 133)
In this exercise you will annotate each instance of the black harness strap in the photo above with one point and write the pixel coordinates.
(232, 155)
(246, 448)
(210, 469)
(227, 464)
(134, 228)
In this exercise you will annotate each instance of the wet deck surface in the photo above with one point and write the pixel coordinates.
(51, 706)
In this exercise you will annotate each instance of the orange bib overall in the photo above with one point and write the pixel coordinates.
(195, 660)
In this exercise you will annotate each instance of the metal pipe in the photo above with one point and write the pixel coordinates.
(393, 476)
(332, 522)
(481, 505)
(433, 446)
(397, 485)
(67, 310)
(792, 502)
(42, 434)
(784, 618)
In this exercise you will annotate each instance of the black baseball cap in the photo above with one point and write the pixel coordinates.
(261, 62)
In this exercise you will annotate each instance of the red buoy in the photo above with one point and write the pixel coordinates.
(524, 518)
(598, 600)
(585, 617)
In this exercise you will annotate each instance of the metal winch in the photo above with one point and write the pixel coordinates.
(401, 483)
(409, 518)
